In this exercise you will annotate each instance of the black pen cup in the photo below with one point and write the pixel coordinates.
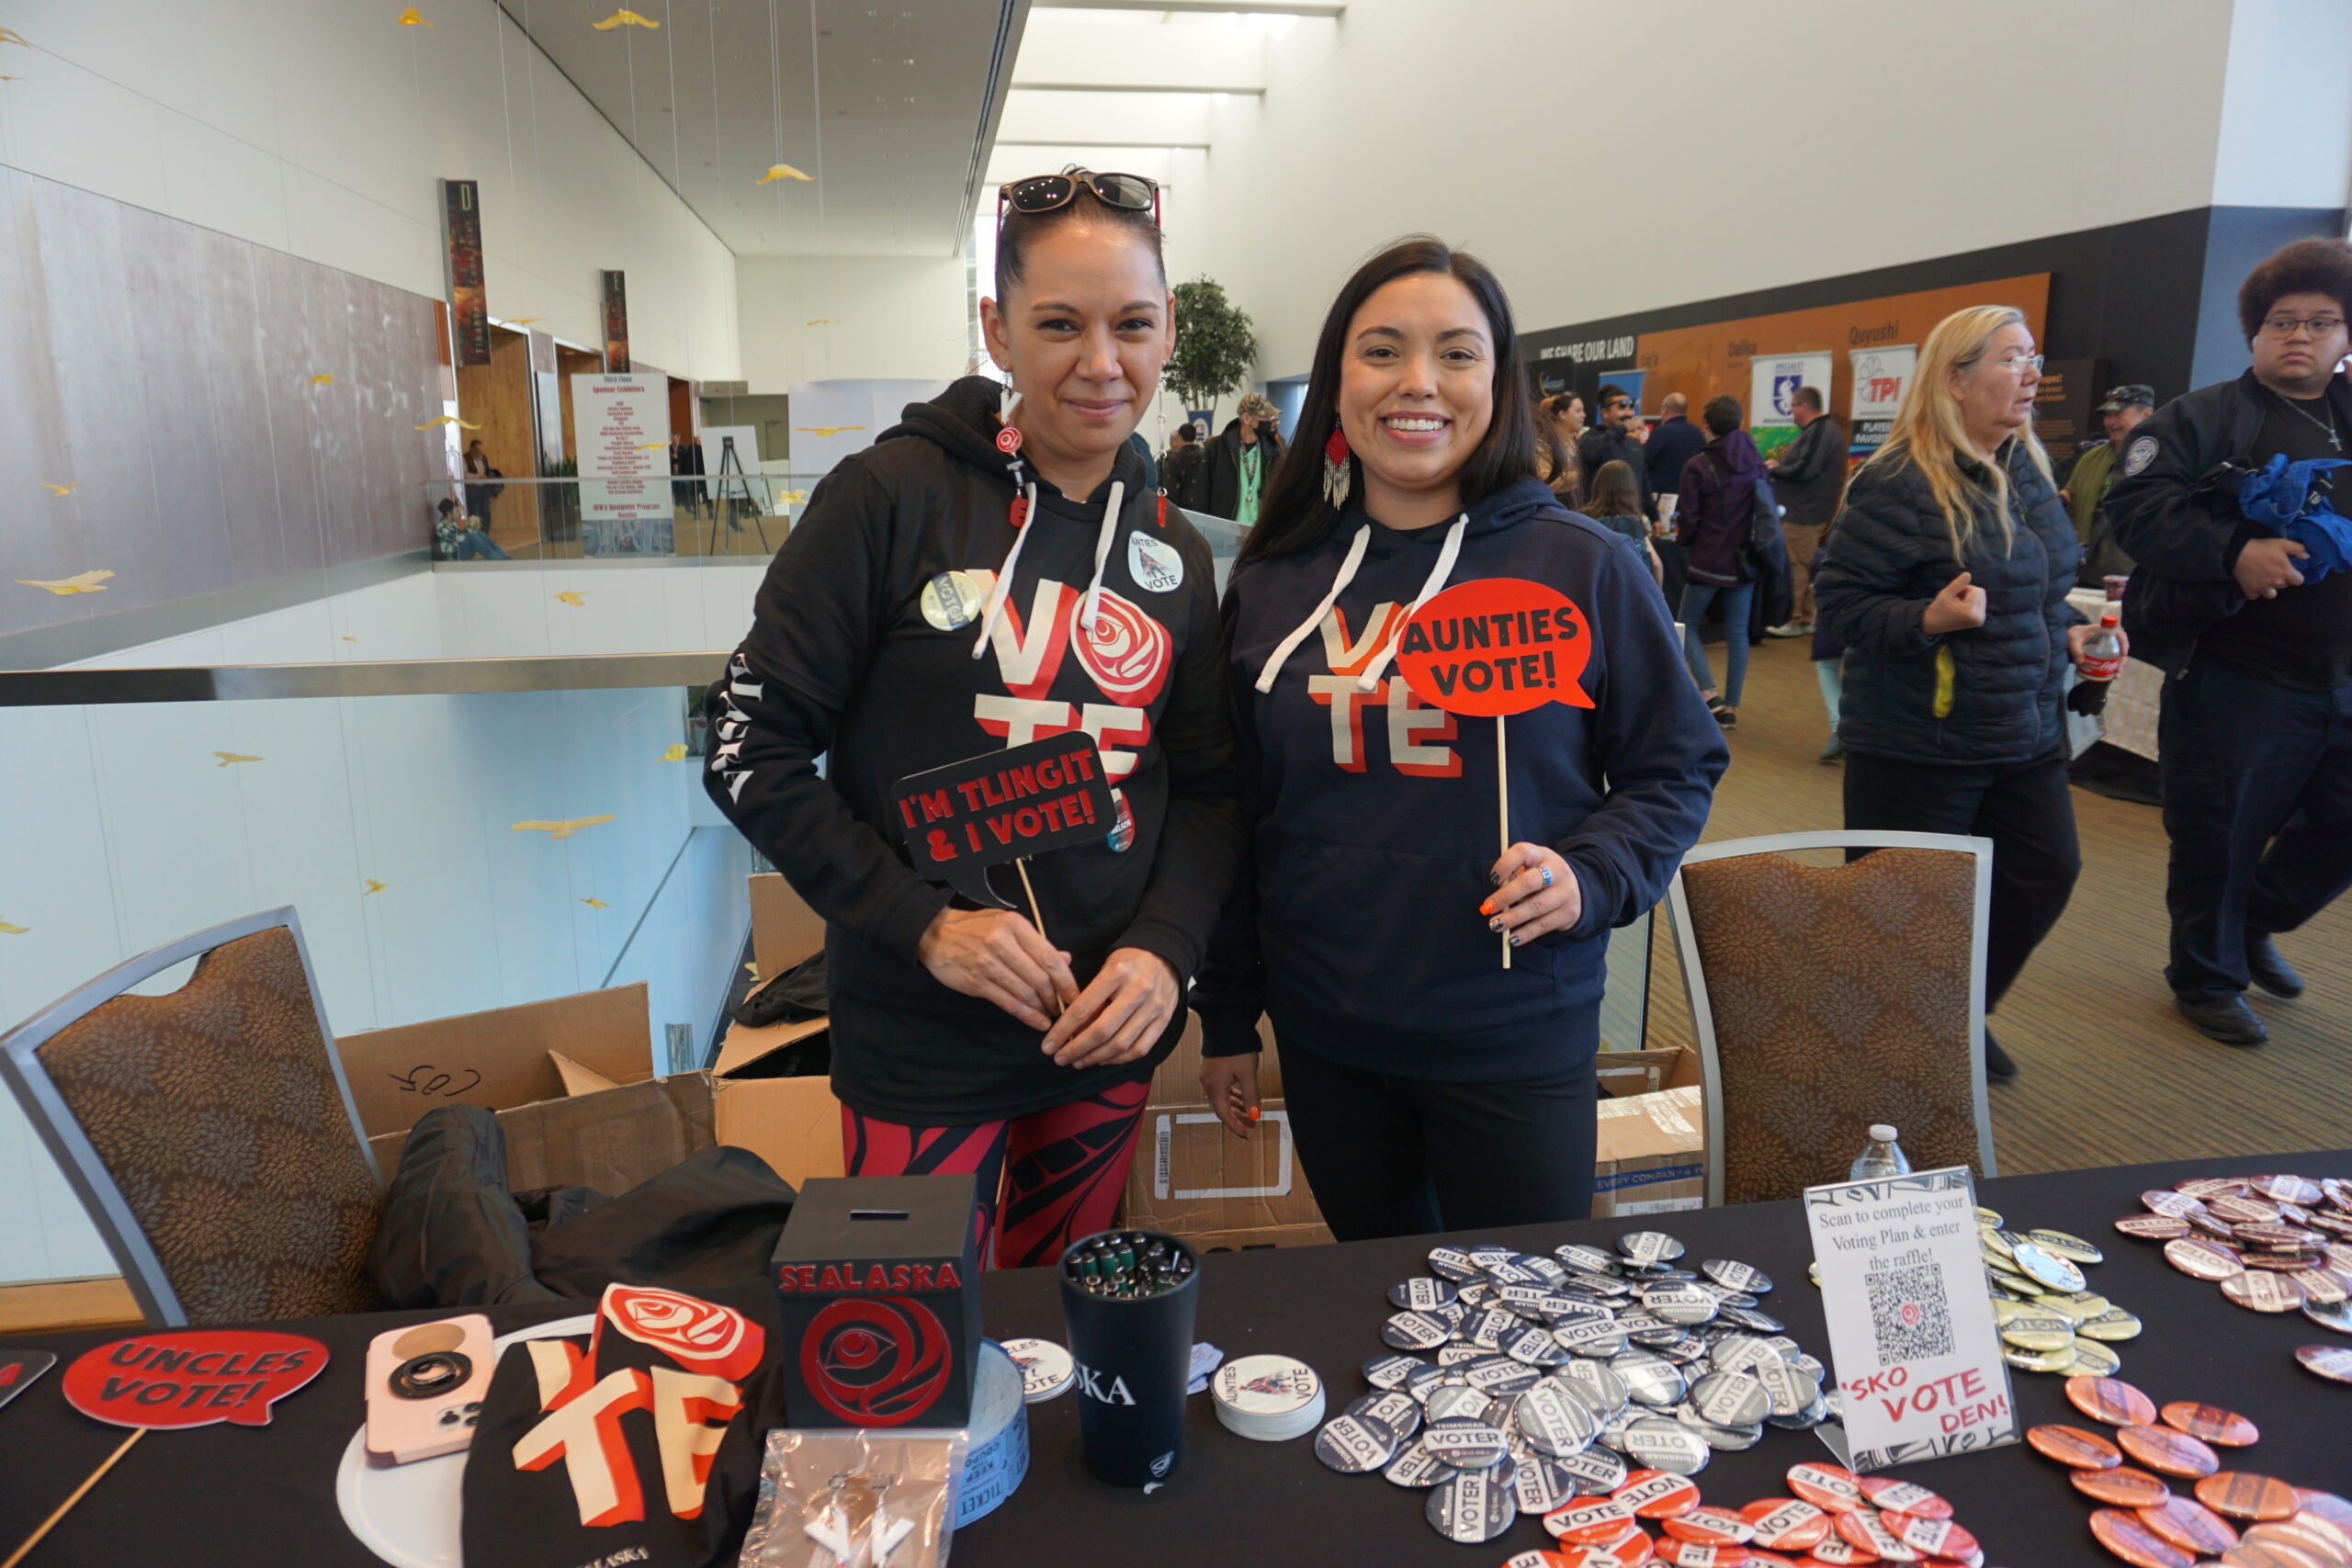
(1131, 1336)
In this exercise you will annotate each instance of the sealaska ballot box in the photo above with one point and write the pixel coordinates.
(881, 1294)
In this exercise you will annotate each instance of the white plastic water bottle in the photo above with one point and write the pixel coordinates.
(1884, 1158)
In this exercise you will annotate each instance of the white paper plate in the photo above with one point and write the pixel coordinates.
(409, 1515)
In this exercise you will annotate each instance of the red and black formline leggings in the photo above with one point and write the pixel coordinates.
(1044, 1179)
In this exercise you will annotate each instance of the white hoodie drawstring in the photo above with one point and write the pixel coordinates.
(1284, 649)
(1003, 584)
(1103, 553)
(1447, 554)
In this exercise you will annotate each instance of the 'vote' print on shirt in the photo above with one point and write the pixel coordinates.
(1125, 654)
(1413, 729)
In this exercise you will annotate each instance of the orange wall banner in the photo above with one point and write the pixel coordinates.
(1706, 361)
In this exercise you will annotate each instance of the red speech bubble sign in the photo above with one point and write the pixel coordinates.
(192, 1377)
(1501, 644)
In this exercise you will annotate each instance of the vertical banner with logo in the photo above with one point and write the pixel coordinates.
(1774, 379)
(621, 427)
(1880, 375)
(616, 326)
(468, 307)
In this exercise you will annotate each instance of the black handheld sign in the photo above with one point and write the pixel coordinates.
(961, 820)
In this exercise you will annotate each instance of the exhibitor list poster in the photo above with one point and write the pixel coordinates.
(1911, 1340)
(621, 427)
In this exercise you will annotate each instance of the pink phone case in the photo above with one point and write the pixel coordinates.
(425, 1385)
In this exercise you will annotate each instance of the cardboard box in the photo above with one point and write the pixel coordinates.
(1193, 1179)
(570, 1080)
(785, 930)
(880, 1287)
(1651, 1155)
(1647, 1072)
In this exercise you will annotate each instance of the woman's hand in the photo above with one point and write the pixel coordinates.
(1120, 1016)
(999, 958)
(1536, 892)
(2077, 635)
(1957, 608)
(1231, 1085)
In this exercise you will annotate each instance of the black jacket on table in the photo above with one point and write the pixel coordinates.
(1221, 478)
(862, 652)
(1372, 816)
(1811, 474)
(1989, 694)
(2177, 517)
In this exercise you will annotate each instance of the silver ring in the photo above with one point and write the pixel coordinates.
(1548, 874)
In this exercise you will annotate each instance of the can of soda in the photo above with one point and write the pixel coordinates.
(1130, 1299)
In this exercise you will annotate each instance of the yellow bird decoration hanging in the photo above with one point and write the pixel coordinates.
(624, 18)
(827, 428)
(408, 18)
(60, 490)
(676, 752)
(347, 639)
(323, 379)
(525, 320)
(8, 929)
(373, 886)
(793, 497)
(783, 172)
(575, 597)
(81, 582)
(229, 757)
(446, 419)
(653, 446)
(595, 903)
(823, 321)
(10, 35)
(563, 829)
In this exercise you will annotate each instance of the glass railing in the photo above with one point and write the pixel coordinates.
(568, 517)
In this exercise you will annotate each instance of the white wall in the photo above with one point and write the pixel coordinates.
(886, 316)
(2286, 134)
(318, 128)
(1607, 157)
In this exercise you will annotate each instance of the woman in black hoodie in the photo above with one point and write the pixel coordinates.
(1710, 523)
(992, 571)
(1429, 1087)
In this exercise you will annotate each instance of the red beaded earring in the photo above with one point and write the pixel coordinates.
(1338, 474)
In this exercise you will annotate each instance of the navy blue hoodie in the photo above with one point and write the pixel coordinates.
(1371, 818)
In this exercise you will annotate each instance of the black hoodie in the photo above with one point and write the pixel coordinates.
(1373, 816)
(862, 648)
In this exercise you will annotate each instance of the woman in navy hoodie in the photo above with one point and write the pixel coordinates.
(1429, 1087)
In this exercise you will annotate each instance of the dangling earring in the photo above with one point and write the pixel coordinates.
(1338, 475)
(1007, 400)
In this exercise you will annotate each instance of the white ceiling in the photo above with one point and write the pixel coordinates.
(893, 122)
(916, 109)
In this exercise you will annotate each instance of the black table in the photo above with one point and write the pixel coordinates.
(220, 1495)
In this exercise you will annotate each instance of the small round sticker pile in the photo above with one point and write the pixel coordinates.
(2049, 1319)
(1831, 1519)
(2232, 1517)
(1521, 1383)
(2273, 1243)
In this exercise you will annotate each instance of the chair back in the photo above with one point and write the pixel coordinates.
(209, 1132)
(1829, 997)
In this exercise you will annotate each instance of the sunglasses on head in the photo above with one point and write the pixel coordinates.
(1043, 193)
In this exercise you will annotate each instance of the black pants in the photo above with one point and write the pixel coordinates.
(2244, 760)
(1391, 1156)
(2023, 807)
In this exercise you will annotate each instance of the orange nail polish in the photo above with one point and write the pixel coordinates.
(1487, 908)
(1253, 1113)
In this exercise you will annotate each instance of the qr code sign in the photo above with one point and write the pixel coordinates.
(1907, 1313)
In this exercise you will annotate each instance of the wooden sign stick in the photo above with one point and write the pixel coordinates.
(66, 1507)
(1502, 802)
(1036, 918)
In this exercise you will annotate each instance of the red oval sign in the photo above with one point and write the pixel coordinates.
(192, 1377)
(1502, 645)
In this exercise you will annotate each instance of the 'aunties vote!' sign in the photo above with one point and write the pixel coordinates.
(1501, 644)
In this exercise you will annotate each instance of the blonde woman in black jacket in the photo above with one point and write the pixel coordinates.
(1946, 580)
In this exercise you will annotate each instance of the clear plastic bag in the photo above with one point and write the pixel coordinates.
(855, 1499)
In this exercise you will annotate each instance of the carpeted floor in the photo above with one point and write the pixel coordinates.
(2108, 1074)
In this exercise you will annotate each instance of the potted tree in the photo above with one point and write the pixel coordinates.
(1215, 347)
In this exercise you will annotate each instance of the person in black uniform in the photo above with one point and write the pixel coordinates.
(2256, 732)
